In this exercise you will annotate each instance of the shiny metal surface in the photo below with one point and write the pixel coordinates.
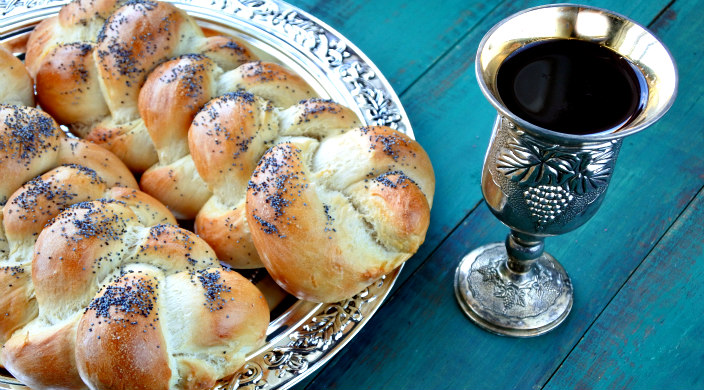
(306, 335)
(508, 303)
(540, 182)
(568, 21)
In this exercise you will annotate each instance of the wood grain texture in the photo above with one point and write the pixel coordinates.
(650, 334)
(403, 38)
(420, 338)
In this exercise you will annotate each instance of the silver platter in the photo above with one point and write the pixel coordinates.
(305, 335)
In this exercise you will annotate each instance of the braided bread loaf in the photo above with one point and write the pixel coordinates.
(17, 86)
(227, 139)
(125, 303)
(91, 60)
(329, 208)
(24, 216)
(172, 95)
(103, 289)
(330, 217)
(31, 143)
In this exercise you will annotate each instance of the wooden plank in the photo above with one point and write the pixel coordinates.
(403, 38)
(650, 335)
(420, 338)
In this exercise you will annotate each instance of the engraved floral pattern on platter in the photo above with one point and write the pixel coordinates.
(308, 344)
(379, 107)
(552, 177)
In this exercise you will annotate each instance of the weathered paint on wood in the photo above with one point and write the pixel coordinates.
(420, 339)
(650, 334)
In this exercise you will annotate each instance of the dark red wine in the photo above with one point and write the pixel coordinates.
(571, 86)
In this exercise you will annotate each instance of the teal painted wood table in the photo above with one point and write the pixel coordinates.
(637, 266)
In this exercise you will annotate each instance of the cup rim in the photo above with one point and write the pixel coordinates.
(607, 135)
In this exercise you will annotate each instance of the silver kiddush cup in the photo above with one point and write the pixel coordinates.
(542, 183)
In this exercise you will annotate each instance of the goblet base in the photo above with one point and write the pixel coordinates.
(508, 303)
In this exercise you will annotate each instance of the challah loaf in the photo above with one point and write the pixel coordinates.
(25, 215)
(91, 60)
(170, 99)
(17, 86)
(59, 247)
(332, 208)
(227, 139)
(125, 302)
(330, 217)
(30, 144)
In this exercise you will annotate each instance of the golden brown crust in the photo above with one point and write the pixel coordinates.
(329, 219)
(87, 154)
(398, 210)
(29, 146)
(227, 137)
(83, 11)
(270, 81)
(17, 306)
(81, 246)
(148, 210)
(67, 85)
(171, 248)
(232, 320)
(177, 185)
(226, 140)
(287, 230)
(133, 41)
(226, 230)
(226, 52)
(55, 344)
(120, 338)
(140, 269)
(31, 143)
(171, 97)
(39, 43)
(129, 142)
(30, 208)
(17, 86)
(228, 307)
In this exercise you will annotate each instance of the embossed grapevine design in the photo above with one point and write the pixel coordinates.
(8, 6)
(508, 292)
(552, 175)
(512, 295)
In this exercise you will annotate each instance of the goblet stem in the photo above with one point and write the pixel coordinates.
(523, 250)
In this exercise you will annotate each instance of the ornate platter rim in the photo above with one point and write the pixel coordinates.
(306, 336)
